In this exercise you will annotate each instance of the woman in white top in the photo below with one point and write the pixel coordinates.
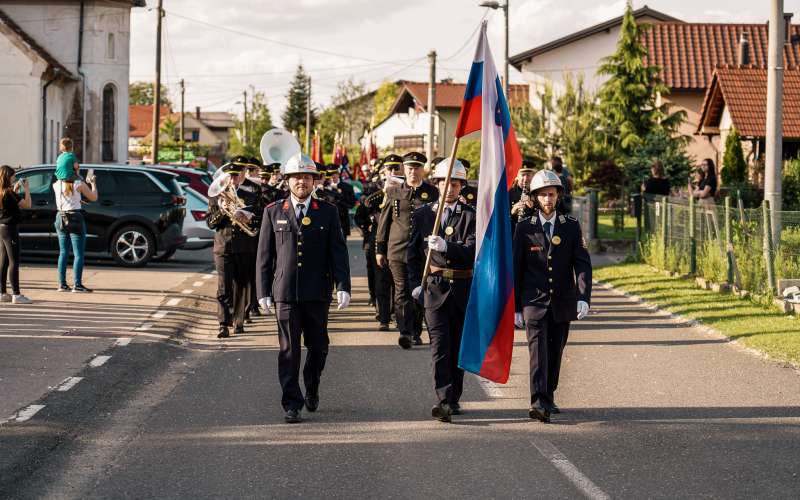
(71, 227)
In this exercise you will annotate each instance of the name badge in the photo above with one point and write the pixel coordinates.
(283, 221)
(536, 248)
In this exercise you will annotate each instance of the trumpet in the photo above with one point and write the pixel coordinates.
(222, 188)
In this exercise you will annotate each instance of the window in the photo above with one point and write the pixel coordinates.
(105, 182)
(109, 122)
(136, 183)
(110, 51)
(39, 181)
(195, 135)
(409, 141)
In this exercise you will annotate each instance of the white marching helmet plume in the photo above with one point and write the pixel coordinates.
(546, 178)
(459, 172)
(299, 164)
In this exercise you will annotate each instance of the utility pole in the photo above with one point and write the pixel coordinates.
(774, 141)
(494, 4)
(244, 122)
(183, 137)
(157, 89)
(431, 105)
(308, 117)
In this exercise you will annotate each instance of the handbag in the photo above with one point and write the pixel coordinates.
(70, 221)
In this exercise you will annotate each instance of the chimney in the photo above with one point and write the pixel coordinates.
(743, 58)
(787, 26)
(197, 112)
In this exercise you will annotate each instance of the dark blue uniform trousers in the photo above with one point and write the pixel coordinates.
(445, 324)
(309, 319)
(546, 341)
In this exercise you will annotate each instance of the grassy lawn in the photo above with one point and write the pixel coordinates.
(769, 331)
(606, 231)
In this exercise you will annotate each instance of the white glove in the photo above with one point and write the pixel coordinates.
(518, 321)
(437, 244)
(343, 298)
(266, 304)
(583, 309)
(416, 293)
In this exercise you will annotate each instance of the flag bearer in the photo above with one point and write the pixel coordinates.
(446, 291)
(552, 285)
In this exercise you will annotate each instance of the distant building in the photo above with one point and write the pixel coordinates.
(406, 127)
(64, 71)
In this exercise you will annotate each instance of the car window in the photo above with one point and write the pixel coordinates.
(169, 181)
(40, 181)
(135, 182)
(105, 182)
(195, 201)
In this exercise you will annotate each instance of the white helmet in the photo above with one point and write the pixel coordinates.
(299, 164)
(546, 178)
(459, 172)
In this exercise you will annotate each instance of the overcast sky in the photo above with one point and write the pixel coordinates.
(221, 47)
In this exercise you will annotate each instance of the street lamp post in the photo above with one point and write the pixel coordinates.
(493, 4)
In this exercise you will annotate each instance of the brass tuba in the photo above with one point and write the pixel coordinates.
(222, 188)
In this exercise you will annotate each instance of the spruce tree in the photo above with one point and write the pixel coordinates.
(294, 116)
(734, 168)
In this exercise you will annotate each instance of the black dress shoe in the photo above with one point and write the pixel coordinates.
(292, 416)
(418, 340)
(455, 409)
(224, 333)
(539, 413)
(312, 403)
(384, 327)
(239, 329)
(555, 409)
(405, 341)
(442, 412)
(255, 312)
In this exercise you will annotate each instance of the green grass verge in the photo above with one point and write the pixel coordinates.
(606, 231)
(753, 325)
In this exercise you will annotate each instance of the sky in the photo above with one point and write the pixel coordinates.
(224, 47)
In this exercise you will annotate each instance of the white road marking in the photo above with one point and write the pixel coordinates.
(492, 389)
(122, 342)
(173, 302)
(208, 276)
(197, 283)
(187, 291)
(99, 361)
(143, 327)
(568, 469)
(27, 413)
(159, 314)
(68, 384)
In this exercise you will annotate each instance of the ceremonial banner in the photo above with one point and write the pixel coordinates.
(488, 335)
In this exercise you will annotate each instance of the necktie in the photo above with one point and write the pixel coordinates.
(547, 225)
(447, 212)
(300, 212)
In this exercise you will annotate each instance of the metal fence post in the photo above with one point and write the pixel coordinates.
(728, 239)
(593, 202)
(692, 238)
(765, 209)
(637, 211)
(664, 216)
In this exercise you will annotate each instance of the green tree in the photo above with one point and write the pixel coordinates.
(734, 167)
(531, 131)
(294, 116)
(470, 150)
(658, 145)
(350, 100)
(141, 93)
(259, 121)
(630, 100)
(383, 100)
(330, 123)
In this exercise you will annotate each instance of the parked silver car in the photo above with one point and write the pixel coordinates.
(198, 235)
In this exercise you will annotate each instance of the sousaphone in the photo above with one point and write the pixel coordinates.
(277, 146)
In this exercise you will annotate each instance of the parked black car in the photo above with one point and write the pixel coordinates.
(138, 215)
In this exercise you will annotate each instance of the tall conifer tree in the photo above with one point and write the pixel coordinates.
(294, 116)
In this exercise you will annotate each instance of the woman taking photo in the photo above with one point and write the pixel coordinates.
(10, 216)
(71, 227)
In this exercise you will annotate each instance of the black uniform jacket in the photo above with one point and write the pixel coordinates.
(460, 253)
(470, 194)
(394, 225)
(548, 274)
(229, 238)
(297, 262)
(366, 217)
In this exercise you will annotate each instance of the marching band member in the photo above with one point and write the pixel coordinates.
(446, 291)
(552, 285)
(301, 253)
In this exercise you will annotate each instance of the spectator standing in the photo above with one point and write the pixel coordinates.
(71, 228)
(707, 186)
(557, 165)
(10, 216)
(657, 183)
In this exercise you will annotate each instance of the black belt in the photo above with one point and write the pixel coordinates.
(451, 274)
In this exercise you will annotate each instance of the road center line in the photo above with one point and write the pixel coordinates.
(27, 413)
(208, 276)
(568, 469)
(68, 383)
(173, 302)
(123, 341)
(99, 361)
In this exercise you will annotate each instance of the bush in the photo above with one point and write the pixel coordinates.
(658, 145)
(734, 168)
(608, 178)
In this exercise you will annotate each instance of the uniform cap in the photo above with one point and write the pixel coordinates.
(392, 161)
(300, 164)
(528, 166)
(232, 168)
(459, 172)
(546, 178)
(414, 159)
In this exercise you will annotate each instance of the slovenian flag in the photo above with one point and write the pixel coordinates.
(488, 336)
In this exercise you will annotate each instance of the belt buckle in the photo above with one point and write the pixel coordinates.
(447, 273)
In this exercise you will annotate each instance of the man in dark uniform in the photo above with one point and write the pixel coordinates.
(519, 196)
(391, 241)
(233, 254)
(446, 291)
(367, 215)
(301, 254)
(469, 194)
(552, 285)
(345, 195)
(269, 193)
(250, 191)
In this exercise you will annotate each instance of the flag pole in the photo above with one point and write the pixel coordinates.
(440, 210)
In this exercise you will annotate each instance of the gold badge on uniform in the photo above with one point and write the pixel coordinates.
(449, 230)
(306, 221)
(424, 196)
(556, 240)
(470, 196)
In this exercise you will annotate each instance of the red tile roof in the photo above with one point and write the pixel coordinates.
(140, 118)
(744, 92)
(689, 52)
(449, 95)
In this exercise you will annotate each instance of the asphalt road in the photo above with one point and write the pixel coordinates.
(652, 408)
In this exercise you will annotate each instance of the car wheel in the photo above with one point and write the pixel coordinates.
(133, 246)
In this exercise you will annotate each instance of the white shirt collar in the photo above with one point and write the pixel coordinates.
(306, 203)
(551, 220)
